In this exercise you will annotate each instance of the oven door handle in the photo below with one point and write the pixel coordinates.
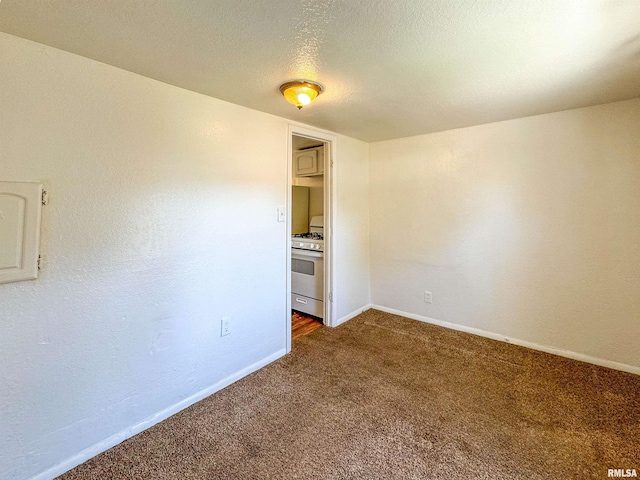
(296, 252)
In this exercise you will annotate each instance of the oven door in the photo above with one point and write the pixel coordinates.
(307, 273)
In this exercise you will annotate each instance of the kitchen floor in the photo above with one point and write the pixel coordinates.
(302, 325)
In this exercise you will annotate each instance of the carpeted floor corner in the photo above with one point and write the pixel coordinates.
(385, 397)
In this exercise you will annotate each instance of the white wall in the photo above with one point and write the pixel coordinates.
(353, 286)
(528, 228)
(316, 201)
(162, 220)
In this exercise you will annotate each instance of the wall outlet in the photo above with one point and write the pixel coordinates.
(225, 326)
(427, 297)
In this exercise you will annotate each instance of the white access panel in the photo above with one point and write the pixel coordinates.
(20, 205)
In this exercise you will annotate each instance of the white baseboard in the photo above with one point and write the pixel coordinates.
(355, 313)
(523, 343)
(148, 422)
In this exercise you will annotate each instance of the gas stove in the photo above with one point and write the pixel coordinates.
(307, 269)
(308, 241)
(313, 240)
(308, 235)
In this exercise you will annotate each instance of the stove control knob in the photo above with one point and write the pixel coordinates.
(311, 245)
(317, 247)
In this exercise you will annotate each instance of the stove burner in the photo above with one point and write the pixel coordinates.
(309, 235)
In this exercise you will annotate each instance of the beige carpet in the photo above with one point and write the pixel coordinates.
(387, 397)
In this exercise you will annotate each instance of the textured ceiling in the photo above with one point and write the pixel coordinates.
(390, 68)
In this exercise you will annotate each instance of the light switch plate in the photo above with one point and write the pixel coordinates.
(225, 326)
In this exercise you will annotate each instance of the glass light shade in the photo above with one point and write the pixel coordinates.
(300, 92)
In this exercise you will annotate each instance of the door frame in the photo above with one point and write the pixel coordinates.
(330, 208)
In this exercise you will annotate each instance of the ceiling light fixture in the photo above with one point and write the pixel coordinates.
(300, 92)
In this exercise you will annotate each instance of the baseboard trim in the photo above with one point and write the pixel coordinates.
(353, 314)
(522, 343)
(148, 422)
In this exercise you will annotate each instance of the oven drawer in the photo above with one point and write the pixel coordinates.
(307, 305)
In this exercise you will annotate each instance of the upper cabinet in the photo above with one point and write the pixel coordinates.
(307, 163)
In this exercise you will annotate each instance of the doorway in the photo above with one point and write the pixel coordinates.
(310, 238)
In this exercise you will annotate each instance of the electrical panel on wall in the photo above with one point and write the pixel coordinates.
(20, 206)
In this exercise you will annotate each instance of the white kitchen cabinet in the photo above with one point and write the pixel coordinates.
(20, 205)
(307, 163)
